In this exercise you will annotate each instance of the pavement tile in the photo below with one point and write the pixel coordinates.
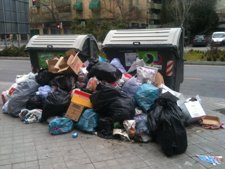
(30, 164)
(19, 166)
(32, 147)
(193, 150)
(75, 165)
(5, 162)
(6, 166)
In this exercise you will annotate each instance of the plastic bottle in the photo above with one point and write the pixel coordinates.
(75, 135)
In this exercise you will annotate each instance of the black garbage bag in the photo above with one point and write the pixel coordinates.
(105, 71)
(112, 102)
(35, 102)
(92, 62)
(44, 77)
(167, 126)
(105, 128)
(56, 104)
(64, 82)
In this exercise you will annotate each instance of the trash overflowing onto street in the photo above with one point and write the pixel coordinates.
(97, 97)
(131, 96)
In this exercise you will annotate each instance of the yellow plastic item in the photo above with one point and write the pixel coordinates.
(81, 100)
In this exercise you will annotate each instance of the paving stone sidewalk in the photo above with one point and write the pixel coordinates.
(30, 146)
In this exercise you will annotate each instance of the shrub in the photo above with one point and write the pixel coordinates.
(193, 55)
(13, 51)
(214, 54)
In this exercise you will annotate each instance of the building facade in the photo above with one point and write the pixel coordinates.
(56, 16)
(220, 10)
(14, 20)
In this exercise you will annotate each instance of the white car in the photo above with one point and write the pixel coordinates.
(218, 39)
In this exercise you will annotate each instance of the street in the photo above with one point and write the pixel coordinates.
(204, 80)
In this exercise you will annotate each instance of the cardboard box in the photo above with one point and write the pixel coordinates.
(211, 120)
(158, 79)
(74, 111)
(81, 98)
(75, 63)
(195, 109)
(62, 66)
(51, 65)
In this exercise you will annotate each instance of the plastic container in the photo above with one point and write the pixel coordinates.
(75, 135)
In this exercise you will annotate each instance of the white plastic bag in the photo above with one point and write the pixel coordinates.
(146, 74)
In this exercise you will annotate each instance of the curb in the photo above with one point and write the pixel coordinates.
(204, 63)
(14, 58)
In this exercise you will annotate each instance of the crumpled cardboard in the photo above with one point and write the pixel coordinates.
(65, 65)
(75, 63)
(158, 80)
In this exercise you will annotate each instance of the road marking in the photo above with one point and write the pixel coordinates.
(192, 78)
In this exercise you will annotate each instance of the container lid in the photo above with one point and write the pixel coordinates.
(146, 37)
(58, 41)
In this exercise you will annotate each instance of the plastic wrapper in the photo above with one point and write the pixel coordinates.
(21, 95)
(146, 95)
(146, 74)
(92, 84)
(116, 62)
(129, 126)
(214, 160)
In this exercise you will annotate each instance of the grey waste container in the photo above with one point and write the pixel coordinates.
(161, 47)
(42, 47)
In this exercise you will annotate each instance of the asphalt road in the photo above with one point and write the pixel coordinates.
(202, 80)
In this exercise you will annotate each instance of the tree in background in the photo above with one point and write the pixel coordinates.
(203, 17)
(53, 8)
(195, 16)
(97, 27)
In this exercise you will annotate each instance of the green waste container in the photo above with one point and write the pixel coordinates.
(43, 47)
(160, 47)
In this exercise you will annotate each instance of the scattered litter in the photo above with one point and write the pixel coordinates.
(75, 135)
(222, 125)
(214, 160)
(210, 122)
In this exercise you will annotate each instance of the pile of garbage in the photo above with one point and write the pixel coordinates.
(101, 97)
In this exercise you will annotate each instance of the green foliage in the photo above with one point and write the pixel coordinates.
(203, 18)
(200, 18)
(98, 28)
(214, 54)
(13, 51)
(194, 55)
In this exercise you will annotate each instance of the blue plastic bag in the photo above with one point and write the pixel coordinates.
(146, 95)
(60, 126)
(88, 121)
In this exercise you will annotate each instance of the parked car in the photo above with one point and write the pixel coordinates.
(218, 39)
(200, 40)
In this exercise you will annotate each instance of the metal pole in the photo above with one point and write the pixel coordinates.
(4, 23)
(17, 22)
